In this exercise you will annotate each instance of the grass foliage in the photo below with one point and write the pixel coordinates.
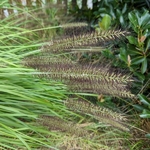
(24, 97)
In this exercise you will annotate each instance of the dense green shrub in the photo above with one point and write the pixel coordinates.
(134, 53)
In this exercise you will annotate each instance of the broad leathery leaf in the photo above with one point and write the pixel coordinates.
(105, 23)
(132, 17)
(145, 114)
(145, 18)
(113, 14)
(144, 65)
(121, 19)
(144, 99)
(123, 55)
(132, 40)
(137, 14)
(124, 8)
(132, 51)
(139, 75)
(100, 10)
(146, 32)
(147, 26)
(119, 13)
(137, 60)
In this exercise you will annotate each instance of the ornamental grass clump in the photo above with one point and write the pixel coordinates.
(101, 114)
(82, 78)
(30, 87)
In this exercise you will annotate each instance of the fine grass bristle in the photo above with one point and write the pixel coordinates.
(70, 30)
(84, 39)
(82, 78)
(74, 25)
(102, 114)
(58, 124)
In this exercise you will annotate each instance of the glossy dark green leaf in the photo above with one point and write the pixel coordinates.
(101, 9)
(144, 65)
(132, 40)
(144, 100)
(119, 13)
(137, 60)
(147, 26)
(124, 8)
(145, 18)
(113, 14)
(133, 19)
(139, 75)
(137, 14)
(121, 19)
(123, 57)
(131, 50)
(146, 32)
